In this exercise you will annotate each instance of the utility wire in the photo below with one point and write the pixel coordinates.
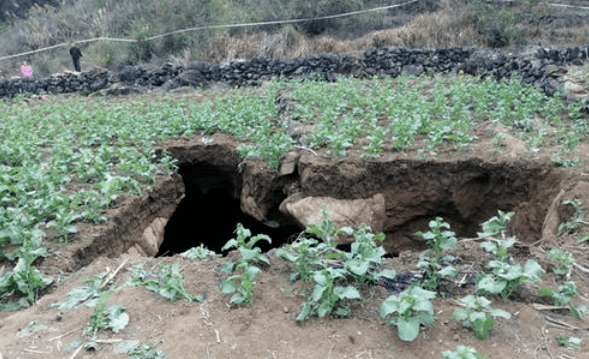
(292, 21)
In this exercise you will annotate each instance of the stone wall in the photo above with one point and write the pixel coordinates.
(537, 66)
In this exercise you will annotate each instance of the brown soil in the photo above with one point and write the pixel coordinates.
(465, 188)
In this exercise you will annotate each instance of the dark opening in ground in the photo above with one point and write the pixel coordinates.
(464, 193)
(210, 212)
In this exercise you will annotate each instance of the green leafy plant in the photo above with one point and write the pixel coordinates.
(88, 294)
(495, 227)
(408, 311)
(248, 253)
(364, 255)
(577, 220)
(103, 318)
(307, 256)
(24, 280)
(245, 286)
(248, 257)
(478, 315)
(564, 261)
(463, 352)
(583, 239)
(328, 297)
(312, 259)
(499, 248)
(568, 341)
(201, 252)
(325, 230)
(438, 238)
(310, 253)
(437, 266)
(506, 278)
(169, 283)
(146, 351)
(562, 162)
(435, 270)
(563, 297)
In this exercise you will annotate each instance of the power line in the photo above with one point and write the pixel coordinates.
(291, 21)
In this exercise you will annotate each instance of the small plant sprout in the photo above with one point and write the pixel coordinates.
(564, 261)
(145, 351)
(201, 252)
(169, 283)
(104, 318)
(328, 296)
(506, 278)
(88, 294)
(439, 240)
(248, 257)
(564, 296)
(463, 352)
(435, 270)
(583, 239)
(577, 220)
(244, 289)
(364, 254)
(495, 227)
(568, 341)
(499, 248)
(248, 253)
(408, 311)
(326, 230)
(478, 315)
(306, 257)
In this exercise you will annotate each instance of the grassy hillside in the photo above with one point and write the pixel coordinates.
(425, 23)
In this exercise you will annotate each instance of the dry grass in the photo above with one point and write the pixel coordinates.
(427, 30)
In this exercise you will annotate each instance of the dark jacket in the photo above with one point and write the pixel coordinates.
(75, 53)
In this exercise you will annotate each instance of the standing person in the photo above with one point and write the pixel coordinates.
(76, 54)
(26, 69)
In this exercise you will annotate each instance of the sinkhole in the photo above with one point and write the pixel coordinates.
(405, 196)
(210, 212)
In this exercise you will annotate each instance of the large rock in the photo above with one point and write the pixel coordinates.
(343, 212)
(151, 240)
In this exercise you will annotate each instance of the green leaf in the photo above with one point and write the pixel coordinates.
(500, 313)
(228, 286)
(482, 328)
(304, 312)
(349, 292)
(460, 314)
(358, 266)
(249, 254)
(317, 292)
(232, 243)
(119, 321)
(251, 272)
(320, 278)
(388, 306)
(488, 285)
(387, 273)
(325, 308)
(448, 271)
(238, 298)
(533, 271)
(408, 329)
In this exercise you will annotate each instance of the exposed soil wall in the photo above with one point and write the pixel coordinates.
(209, 196)
(535, 66)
